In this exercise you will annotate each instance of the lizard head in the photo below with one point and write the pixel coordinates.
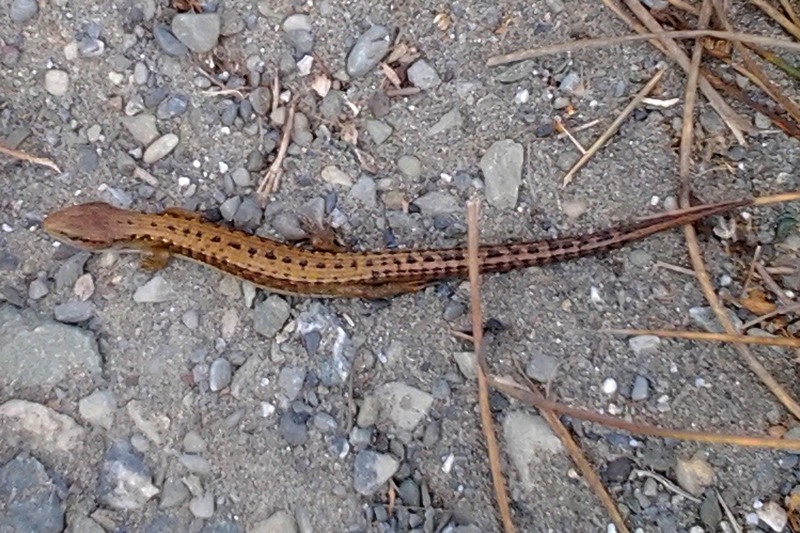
(90, 226)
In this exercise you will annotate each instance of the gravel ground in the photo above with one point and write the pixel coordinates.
(188, 401)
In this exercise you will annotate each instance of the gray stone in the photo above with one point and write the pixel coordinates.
(125, 482)
(325, 423)
(73, 312)
(248, 214)
(371, 471)
(363, 191)
(707, 319)
(466, 364)
(405, 406)
(241, 177)
(641, 389)
(280, 521)
(42, 353)
(56, 82)
(270, 315)
(32, 501)
(369, 49)
(450, 120)
(369, 411)
(294, 432)
(195, 464)
(167, 41)
(198, 31)
(644, 344)
(70, 270)
(160, 148)
(423, 76)
(174, 106)
(378, 130)
(502, 170)
(219, 375)
(290, 381)
(173, 494)
(40, 428)
(38, 289)
(261, 100)
(156, 290)
(528, 440)
(541, 367)
(438, 203)
(202, 506)
(228, 208)
(409, 492)
(410, 166)
(98, 408)
(23, 10)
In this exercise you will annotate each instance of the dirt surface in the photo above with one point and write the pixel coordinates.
(275, 446)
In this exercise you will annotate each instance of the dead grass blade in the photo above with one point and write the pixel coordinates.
(791, 342)
(578, 457)
(271, 180)
(778, 17)
(23, 156)
(612, 129)
(604, 42)
(790, 12)
(511, 388)
(691, 235)
(735, 122)
(495, 464)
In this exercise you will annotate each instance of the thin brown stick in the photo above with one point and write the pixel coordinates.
(750, 64)
(578, 456)
(689, 8)
(691, 236)
(604, 42)
(271, 180)
(766, 316)
(750, 271)
(772, 285)
(776, 15)
(736, 123)
(23, 156)
(483, 389)
(791, 342)
(515, 390)
(612, 129)
(790, 12)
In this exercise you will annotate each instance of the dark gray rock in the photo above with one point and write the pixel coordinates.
(31, 499)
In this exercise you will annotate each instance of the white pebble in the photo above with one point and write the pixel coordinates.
(223, 167)
(609, 386)
(522, 96)
(183, 181)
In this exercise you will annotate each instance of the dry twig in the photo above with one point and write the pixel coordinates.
(690, 234)
(483, 389)
(271, 180)
(612, 128)
(776, 15)
(23, 156)
(707, 336)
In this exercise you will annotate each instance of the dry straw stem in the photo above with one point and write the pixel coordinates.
(271, 180)
(691, 235)
(776, 15)
(787, 6)
(22, 156)
(578, 456)
(495, 464)
(612, 128)
(736, 123)
(511, 388)
(754, 70)
(604, 42)
(703, 336)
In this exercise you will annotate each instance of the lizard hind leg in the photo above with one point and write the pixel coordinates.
(154, 260)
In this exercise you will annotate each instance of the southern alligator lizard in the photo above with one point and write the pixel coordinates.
(288, 269)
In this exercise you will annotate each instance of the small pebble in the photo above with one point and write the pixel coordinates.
(641, 389)
(160, 148)
(154, 291)
(220, 374)
(609, 386)
(73, 312)
(56, 82)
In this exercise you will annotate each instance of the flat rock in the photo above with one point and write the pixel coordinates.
(32, 501)
(98, 408)
(198, 31)
(142, 128)
(403, 405)
(36, 352)
(438, 203)
(528, 437)
(125, 481)
(39, 427)
(502, 170)
(369, 49)
(270, 315)
(160, 148)
(156, 290)
(371, 471)
(281, 521)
